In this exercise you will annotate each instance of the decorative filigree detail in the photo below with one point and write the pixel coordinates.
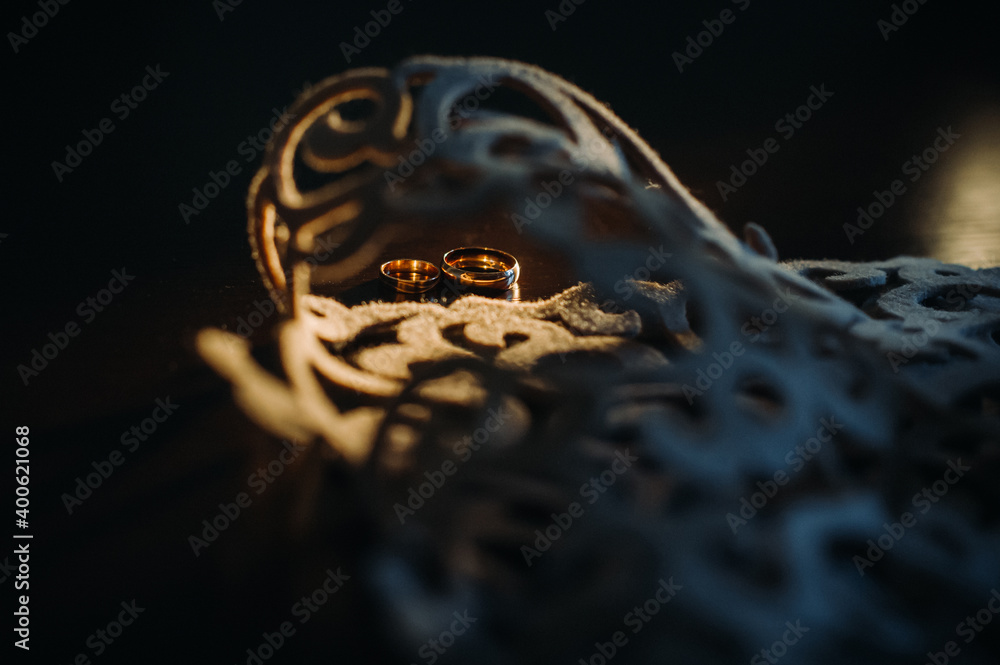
(938, 324)
(335, 342)
(711, 368)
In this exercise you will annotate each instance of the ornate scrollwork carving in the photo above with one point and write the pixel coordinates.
(715, 368)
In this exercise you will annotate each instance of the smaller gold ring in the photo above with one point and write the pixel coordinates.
(481, 268)
(409, 275)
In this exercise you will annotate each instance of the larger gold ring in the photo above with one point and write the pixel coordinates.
(409, 275)
(481, 268)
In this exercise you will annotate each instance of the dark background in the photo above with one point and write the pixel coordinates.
(119, 208)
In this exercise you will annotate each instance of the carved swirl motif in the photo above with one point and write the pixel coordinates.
(715, 369)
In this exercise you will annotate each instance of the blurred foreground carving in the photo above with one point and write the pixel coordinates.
(741, 444)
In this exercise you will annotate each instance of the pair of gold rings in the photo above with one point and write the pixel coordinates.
(465, 267)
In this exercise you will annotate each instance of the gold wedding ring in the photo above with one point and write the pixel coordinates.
(409, 275)
(481, 268)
